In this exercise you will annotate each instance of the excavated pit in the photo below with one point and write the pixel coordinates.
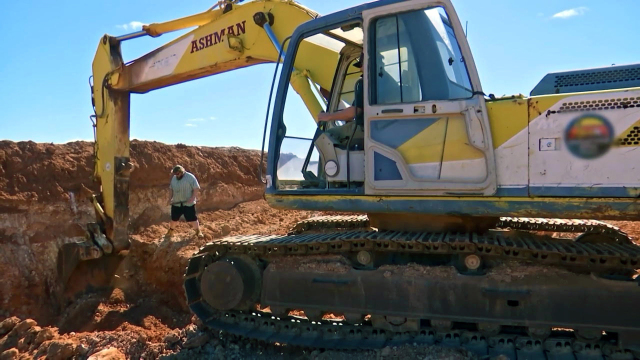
(43, 205)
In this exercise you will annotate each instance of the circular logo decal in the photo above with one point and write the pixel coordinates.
(589, 136)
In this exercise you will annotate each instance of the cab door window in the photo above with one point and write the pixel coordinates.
(417, 58)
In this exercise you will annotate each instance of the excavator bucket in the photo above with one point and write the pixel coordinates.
(92, 275)
(71, 254)
(84, 266)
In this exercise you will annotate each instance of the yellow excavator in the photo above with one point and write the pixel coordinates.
(470, 216)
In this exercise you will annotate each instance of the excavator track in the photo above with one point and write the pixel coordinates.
(511, 340)
(514, 223)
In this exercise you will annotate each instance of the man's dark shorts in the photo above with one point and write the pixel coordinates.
(189, 213)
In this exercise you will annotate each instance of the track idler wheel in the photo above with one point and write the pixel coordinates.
(232, 283)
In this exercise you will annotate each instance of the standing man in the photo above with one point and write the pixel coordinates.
(183, 190)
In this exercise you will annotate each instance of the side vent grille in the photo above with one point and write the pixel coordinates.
(602, 104)
(631, 138)
(596, 79)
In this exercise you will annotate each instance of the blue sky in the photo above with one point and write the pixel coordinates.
(48, 47)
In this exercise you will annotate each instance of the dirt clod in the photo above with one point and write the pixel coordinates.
(8, 324)
(225, 230)
(197, 341)
(44, 335)
(108, 354)
(61, 350)
(23, 326)
(10, 354)
(171, 338)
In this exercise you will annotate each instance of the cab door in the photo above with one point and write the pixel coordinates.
(426, 125)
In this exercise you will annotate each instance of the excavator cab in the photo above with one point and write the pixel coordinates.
(424, 129)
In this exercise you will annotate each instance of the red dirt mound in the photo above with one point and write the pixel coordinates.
(32, 171)
(41, 206)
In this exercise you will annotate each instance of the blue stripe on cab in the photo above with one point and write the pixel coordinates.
(600, 191)
(394, 133)
(512, 191)
(385, 168)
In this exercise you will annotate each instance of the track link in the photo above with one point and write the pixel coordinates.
(514, 223)
(564, 225)
(331, 223)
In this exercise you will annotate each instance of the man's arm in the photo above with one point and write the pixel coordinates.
(347, 114)
(196, 189)
(194, 195)
(170, 195)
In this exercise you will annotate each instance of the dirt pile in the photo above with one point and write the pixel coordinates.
(145, 315)
(41, 206)
(35, 174)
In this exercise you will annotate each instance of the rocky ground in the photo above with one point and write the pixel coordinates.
(144, 316)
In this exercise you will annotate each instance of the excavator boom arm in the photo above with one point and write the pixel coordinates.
(227, 38)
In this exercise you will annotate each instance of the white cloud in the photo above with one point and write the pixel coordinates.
(133, 25)
(195, 121)
(565, 14)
